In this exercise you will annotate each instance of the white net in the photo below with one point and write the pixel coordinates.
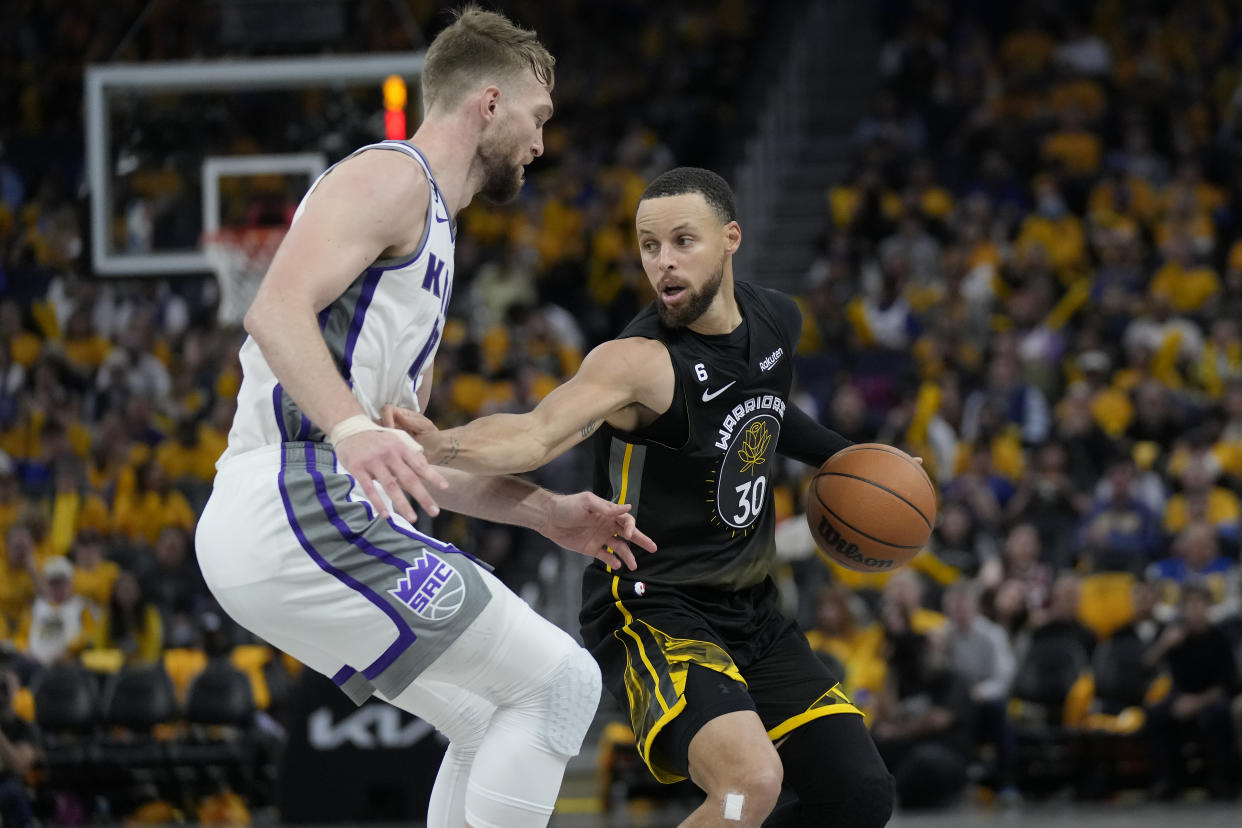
(240, 257)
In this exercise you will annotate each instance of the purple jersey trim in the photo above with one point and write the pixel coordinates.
(439, 546)
(436, 187)
(360, 314)
(405, 636)
(342, 528)
(278, 395)
(304, 427)
(417, 367)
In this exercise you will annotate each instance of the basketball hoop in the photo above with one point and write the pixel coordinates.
(240, 256)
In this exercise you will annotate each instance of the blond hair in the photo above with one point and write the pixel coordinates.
(480, 46)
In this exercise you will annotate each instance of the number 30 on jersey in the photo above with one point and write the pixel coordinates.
(750, 500)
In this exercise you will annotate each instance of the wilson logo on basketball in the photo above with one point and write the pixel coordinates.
(831, 537)
(871, 507)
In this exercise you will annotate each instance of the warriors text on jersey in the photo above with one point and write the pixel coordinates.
(382, 332)
(699, 477)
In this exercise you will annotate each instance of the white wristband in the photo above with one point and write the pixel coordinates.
(359, 423)
(350, 426)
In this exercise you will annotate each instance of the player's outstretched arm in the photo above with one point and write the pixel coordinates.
(802, 438)
(371, 204)
(616, 376)
(584, 523)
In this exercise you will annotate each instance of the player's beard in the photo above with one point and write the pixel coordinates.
(698, 304)
(502, 175)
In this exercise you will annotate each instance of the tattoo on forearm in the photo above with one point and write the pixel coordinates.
(454, 449)
(588, 428)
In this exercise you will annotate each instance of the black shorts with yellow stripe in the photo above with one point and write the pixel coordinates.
(646, 637)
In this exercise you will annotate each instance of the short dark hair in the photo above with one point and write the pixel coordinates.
(685, 180)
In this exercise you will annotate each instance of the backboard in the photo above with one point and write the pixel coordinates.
(195, 142)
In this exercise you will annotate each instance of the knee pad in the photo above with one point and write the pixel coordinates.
(572, 697)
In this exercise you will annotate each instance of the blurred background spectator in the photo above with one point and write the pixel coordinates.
(1027, 271)
(18, 753)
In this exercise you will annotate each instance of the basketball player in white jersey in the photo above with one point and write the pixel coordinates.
(308, 540)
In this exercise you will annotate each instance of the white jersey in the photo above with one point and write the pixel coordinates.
(382, 332)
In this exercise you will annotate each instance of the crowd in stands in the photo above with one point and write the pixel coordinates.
(1032, 279)
(116, 395)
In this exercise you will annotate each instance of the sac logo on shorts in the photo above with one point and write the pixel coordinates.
(431, 588)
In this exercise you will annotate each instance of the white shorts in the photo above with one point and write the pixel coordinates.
(369, 602)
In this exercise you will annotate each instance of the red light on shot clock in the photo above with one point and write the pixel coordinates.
(394, 107)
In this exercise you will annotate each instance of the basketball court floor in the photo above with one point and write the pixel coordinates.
(1054, 815)
(1129, 810)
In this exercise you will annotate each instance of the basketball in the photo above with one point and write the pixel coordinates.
(871, 507)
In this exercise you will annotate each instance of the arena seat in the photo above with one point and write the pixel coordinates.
(1105, 605)
(220, 695)
(139, 697)
(66, 710)
(140, 710)
(64, 699)
(219, 744)
(23, 704)
(1122, 678)
(1038, 704)
(183, 665)
(253, 659)
(1114, 748)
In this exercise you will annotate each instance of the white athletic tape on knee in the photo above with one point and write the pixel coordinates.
(359, 423)
(733, 806)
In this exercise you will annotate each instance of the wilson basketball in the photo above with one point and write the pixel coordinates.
(871, 507)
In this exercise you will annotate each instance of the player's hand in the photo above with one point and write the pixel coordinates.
(383, 459)
(597, 528)
(417, 426)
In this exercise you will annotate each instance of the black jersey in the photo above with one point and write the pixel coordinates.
(699, 477)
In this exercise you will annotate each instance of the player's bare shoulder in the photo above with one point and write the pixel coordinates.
(395, 189)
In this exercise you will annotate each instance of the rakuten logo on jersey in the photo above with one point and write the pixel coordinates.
(771, 359)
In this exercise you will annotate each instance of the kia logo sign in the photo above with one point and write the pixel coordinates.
(370, 727)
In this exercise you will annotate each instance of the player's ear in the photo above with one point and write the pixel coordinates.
(733, 237)
(489, 103)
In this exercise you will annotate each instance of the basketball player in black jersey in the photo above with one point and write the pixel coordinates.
(688, 408)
